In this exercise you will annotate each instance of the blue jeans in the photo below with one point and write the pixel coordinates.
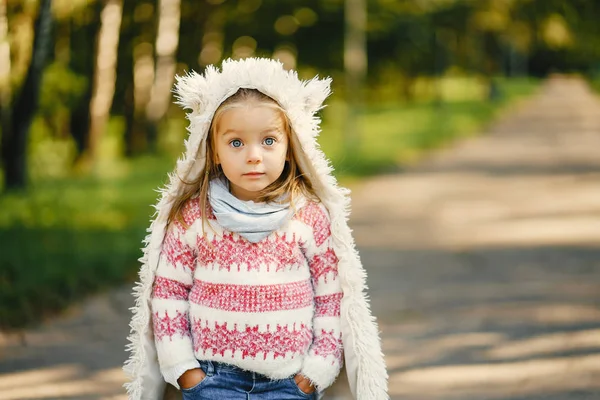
(228, 382)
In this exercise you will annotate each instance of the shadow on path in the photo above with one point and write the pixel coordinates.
(484, 260)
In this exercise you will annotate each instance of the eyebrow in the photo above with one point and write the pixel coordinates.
(268, 130)
(229, 132)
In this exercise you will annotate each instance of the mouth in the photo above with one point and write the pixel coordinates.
(254, 174)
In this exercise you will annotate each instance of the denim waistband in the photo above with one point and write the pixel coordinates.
(211, 367)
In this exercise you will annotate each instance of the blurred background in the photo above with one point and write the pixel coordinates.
(89, 129)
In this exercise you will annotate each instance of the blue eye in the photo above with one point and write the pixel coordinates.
(269, 141)
(236, 143)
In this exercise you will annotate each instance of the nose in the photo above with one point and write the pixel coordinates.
(254, 155)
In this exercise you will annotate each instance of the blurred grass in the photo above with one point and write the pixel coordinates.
(67, 237)
(395, 134)
(595, 83)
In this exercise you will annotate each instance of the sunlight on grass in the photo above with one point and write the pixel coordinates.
(595, 83)
(66, 238)
(393, 135)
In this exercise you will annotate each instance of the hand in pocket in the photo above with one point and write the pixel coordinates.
(191, 378)
(304, 384)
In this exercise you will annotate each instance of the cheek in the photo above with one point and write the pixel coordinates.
(282, 156)
(285, 152)
(223, 154)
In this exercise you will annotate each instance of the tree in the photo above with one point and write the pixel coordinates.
(5, 84)
(135, 70)
(167, 41)
(14, 140)
(355, 65)
(104, 75)
(85, 24)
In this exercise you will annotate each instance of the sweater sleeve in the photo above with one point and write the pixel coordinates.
(170, 307)
(323, 362)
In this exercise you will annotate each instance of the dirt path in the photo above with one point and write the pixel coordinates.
(484, 269)
(484, 261)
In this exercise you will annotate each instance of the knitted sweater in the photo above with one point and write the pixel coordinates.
(271, 307)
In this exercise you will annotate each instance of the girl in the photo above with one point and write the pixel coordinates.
(251, 287)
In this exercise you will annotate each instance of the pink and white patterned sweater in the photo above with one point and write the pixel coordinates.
(271, 307)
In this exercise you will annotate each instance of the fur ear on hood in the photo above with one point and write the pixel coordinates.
(201, 95)
(315, 92)
(193, 91)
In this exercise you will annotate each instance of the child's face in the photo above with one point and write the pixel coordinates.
(251, 147)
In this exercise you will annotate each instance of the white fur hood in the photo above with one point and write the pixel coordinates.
(201, 95)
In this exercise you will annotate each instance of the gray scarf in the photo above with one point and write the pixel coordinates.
(253, 221)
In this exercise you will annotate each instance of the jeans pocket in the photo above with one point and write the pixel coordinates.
(197, 386)
(304, 395)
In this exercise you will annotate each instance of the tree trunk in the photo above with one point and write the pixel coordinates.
(355, 66)
(167, 40)
(104, 75)
(83, 64)
(5, 85)
(124, 84)
(129, 111)
(14, 148)
(143, 74)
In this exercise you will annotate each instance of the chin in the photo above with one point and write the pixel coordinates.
(253, 190)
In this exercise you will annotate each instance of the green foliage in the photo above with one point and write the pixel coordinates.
(64, 239)
(396, 134)
(594, 79)
(596, 85)
(61, 87)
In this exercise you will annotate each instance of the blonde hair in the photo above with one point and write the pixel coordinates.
(291, 181)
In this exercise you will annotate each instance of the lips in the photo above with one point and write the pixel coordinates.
(254, 173)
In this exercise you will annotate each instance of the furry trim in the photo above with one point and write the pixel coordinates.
(201, 95)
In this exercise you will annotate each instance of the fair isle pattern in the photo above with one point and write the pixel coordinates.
(329, 343)
(232, 251)
(288, 315)
(165, 288)
(328, 305)
(228, 250)
(324, 265)
(191, 211)
(176, 252)
(314, 216)
(252, 299)
(282, 341)
(167, 327)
